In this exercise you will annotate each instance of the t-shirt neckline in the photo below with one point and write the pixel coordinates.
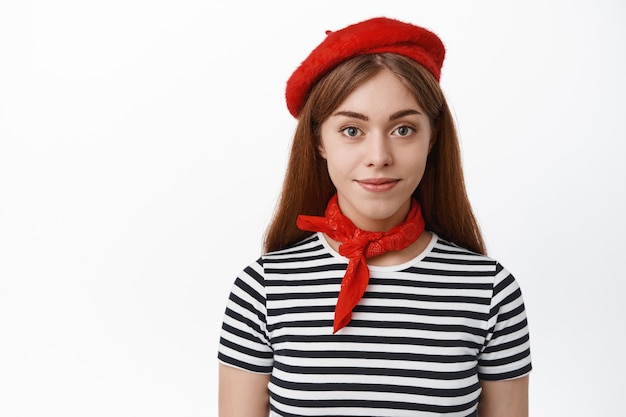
(398, 267)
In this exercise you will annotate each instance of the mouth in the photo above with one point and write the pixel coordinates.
(378, 184)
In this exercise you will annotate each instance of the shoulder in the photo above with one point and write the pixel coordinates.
(307, 249)
(445, 248)
(449, 254)
(449, 257)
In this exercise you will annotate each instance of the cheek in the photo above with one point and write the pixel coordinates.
(335, 156)
(415, 155)
(416, 165)
(340, 167)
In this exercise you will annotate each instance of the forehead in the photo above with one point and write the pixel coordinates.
(385, 92)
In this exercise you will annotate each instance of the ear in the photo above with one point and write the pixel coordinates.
(433, 139)
(321, 150)
(435, 126)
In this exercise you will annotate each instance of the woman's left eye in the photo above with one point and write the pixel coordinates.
(404, 131)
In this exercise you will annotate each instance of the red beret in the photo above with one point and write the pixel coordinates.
(371, 36)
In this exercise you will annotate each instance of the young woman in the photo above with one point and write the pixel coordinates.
(375, 296)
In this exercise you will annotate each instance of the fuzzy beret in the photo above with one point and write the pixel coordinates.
(371, 36)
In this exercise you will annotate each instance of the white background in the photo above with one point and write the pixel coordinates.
(142, 147)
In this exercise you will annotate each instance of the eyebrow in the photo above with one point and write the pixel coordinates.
(352, 114)
(403, 113)
(395, 116)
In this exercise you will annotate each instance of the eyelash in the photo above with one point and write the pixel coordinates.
(411, 130)
(345, 130)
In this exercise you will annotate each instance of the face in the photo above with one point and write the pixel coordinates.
(376, 143)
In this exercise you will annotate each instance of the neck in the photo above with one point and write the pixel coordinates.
(371, 223)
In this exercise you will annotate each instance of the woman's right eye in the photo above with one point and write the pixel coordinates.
(350, 131)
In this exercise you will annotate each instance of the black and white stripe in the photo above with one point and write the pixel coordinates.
(421, 339)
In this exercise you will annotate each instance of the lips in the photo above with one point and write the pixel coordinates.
(378, 184)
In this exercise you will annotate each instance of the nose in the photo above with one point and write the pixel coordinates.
(379, 152)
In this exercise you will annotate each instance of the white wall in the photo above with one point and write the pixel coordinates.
(142, 146)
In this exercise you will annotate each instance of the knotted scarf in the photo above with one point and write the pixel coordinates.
(358, 245)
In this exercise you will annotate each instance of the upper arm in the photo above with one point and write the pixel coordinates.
(242, 393)
(504, 398)
(505, 361)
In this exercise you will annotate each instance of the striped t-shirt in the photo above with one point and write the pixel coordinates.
(421, 338)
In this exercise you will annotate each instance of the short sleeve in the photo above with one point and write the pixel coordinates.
(506, 352)
(244, 341)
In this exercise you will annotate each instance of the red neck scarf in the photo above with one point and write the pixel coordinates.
(357, 245)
